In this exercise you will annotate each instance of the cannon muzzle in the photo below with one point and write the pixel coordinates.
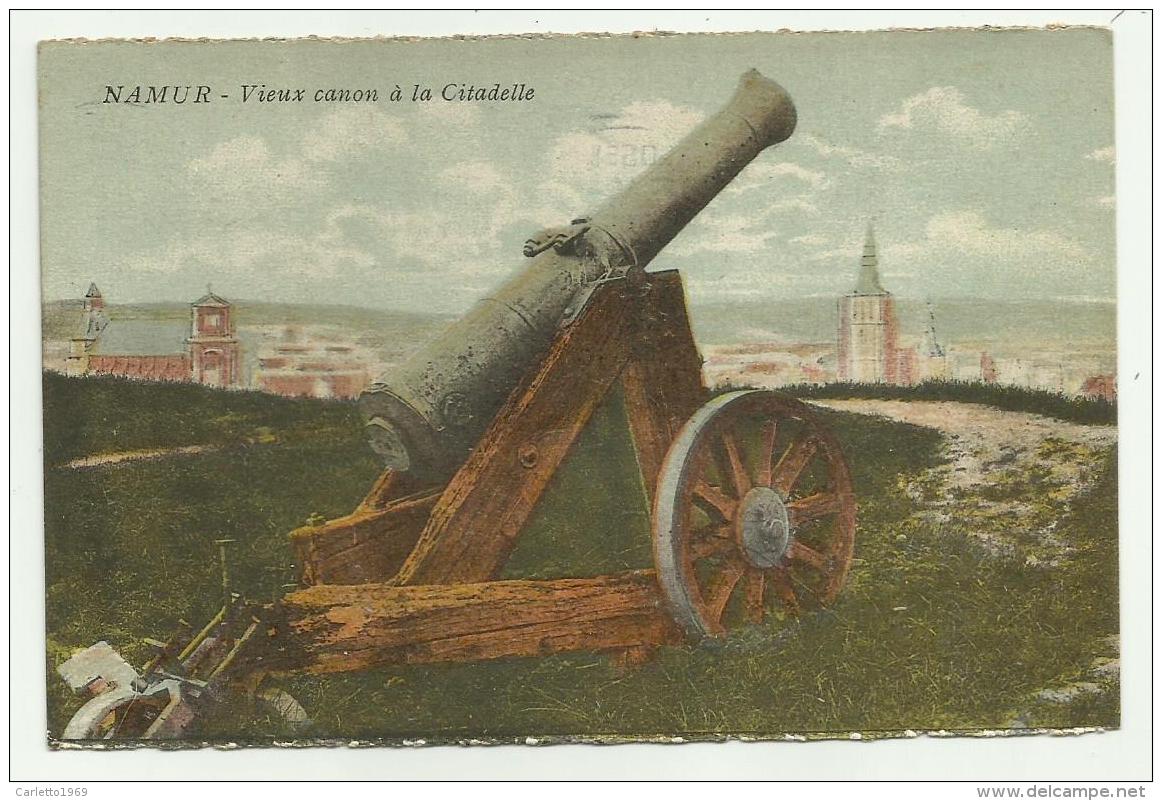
(426, 414)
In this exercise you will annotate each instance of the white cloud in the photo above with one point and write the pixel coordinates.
(793, 204)
(965, 241)
(763, 175)
(397, 243)
(1103, 154)
(456, 232)
(969, 230)
(614, 148)
(840, 253)
(438, 238)
(723, 233)
(745, 221)
(954, 236)
(255, 255)
(851, 155)
(461, 115)
(494, 203)
(943, 109)
(809, 240)
(245, 168)
(477, 177)
(409, 236)
(785, 188)
(741, 226)
(351, 130)
(244, 165)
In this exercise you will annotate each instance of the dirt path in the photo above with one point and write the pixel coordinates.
(1009, 477)
(105, 459)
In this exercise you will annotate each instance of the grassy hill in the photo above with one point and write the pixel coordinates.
(1073, 408)
(932, 631)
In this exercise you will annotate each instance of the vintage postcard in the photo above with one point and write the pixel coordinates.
(611, 388)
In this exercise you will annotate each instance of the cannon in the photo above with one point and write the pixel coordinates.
(427, 414)
(752, 507)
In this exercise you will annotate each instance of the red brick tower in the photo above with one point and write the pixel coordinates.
(215, 355)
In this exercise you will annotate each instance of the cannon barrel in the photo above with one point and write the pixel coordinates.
(426, 414)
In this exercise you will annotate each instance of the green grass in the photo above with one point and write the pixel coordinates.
(930, 633)
(105, 414)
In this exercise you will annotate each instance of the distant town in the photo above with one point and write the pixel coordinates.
(870, 347)
(291, 360)
(216, 346)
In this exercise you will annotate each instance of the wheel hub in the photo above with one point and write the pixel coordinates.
(763, 528)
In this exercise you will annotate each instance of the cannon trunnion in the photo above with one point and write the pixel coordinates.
(753, 513)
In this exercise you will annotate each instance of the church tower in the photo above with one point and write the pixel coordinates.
(867, 325)
(215, 355)
(89, 327)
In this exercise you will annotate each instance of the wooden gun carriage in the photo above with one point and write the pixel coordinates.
(752, 505)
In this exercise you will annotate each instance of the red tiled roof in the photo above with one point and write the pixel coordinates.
(174, 367)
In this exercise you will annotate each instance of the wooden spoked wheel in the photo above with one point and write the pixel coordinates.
(754, 514)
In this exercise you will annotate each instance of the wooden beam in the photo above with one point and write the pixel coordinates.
(637, 330)
(662, 383)
(368, 545)
(337, 628)
(390, 487)
(475, 525)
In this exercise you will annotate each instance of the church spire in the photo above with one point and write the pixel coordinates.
(931, 344)
(93, 300)
(869, 276)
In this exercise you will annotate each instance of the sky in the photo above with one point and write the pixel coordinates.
(984, 158)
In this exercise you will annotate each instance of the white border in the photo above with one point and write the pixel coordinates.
(1120, 755)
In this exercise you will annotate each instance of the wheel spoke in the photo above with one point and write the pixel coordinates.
(813, 507)
(805, 554)
(767, 454)
(786, 593)
(791, 465)
(721, 587)
(713, 500)
(753, 586)
(738, 473)
(709, 542)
